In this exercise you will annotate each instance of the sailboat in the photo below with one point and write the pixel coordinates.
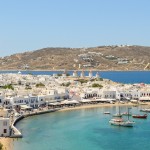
(117, 114)
(121, 122)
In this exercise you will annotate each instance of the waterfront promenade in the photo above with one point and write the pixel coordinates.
(8, 142)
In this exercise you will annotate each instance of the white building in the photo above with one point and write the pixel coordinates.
(97, 75)
(4, 123)
(1, 100)
(90, 74)
(82, 74)
(75, 74)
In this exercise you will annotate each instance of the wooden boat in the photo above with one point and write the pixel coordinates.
(140, 116)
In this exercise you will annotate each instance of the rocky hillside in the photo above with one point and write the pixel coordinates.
(96, 58)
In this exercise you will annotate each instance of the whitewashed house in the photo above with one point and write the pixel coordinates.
(4, 123)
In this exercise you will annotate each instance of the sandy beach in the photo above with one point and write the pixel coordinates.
(97, 105)
(7, 143)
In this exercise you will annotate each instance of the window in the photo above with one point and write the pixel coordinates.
(5, 123)
(5, 130)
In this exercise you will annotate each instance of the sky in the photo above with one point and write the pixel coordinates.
(33, 24)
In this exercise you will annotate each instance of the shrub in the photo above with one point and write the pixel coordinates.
(66, 84)
(97, 85)
(1, 146)
(59, 74)
(82, 81)
(67, 74)
(40, 85)
(8, 86)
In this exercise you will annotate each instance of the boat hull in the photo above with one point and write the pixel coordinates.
(139, 117)
(124, 124)
(117, 115)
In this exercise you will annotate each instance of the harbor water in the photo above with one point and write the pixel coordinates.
(85, 129)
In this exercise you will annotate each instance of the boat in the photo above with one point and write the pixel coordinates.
(145, 110)
(126, 114)
(140, 116)
(121, 122)
(117, 114)
(107, 112)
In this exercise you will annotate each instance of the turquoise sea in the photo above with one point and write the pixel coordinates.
(85, 129)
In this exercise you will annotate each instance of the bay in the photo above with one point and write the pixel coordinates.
(117, 76)
(85, 129)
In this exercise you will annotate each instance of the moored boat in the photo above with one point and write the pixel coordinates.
(126, 114)
(117, 115)
(145, 110)
(107, 112)
(121, 122)
(140, 116)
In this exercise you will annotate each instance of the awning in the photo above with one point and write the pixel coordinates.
(144, 98)
(25, 107)
(85, 100)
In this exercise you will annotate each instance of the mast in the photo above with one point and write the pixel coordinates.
(128, 113)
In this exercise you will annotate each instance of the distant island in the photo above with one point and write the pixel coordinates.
(116, 57)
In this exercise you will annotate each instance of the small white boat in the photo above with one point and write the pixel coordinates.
(145, 110)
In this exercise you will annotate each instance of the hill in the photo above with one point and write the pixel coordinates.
(96, 58)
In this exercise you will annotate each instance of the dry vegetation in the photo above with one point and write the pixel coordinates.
(138, 58)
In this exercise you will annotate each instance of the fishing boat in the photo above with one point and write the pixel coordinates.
(121, 122)
(140, 116)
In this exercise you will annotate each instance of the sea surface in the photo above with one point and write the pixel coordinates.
(85, 129)
(118, 76)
